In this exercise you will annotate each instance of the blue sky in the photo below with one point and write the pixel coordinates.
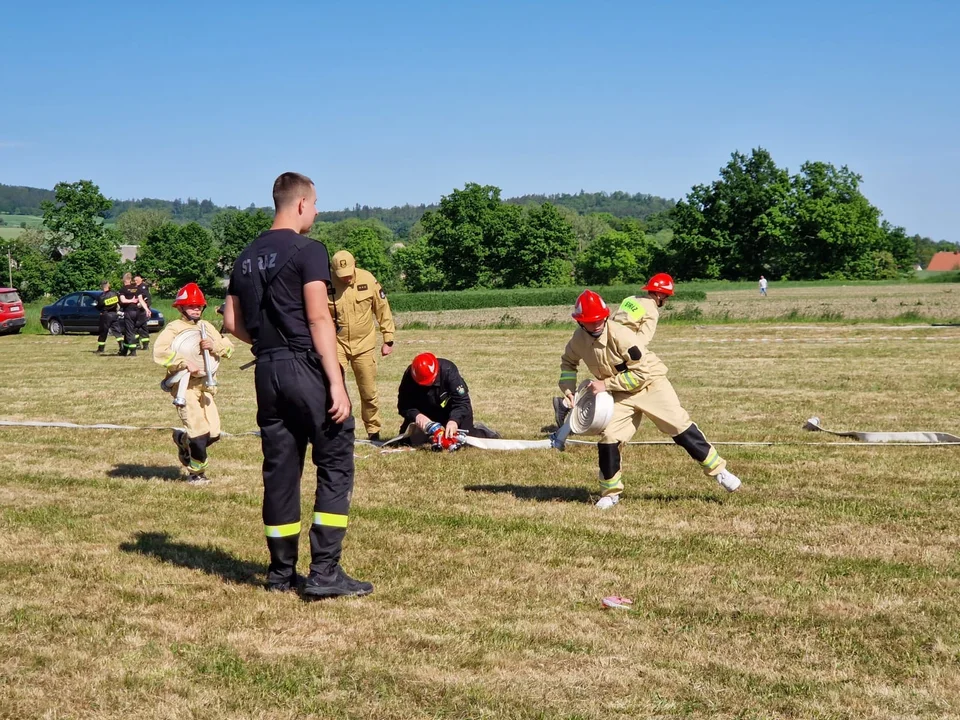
(385, 103)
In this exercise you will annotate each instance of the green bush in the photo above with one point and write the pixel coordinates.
(518, 297)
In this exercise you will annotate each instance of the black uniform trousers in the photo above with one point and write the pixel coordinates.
(292, 402)
(107, 321)
(140, 331)
(131, 316)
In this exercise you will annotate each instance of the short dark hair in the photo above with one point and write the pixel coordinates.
(289, 187)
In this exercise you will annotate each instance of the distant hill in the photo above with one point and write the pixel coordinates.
(20, 200)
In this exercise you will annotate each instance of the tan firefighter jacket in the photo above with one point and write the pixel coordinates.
(354, 308)
(616, 357)
(173, 361)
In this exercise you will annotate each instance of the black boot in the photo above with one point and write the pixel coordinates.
(373, 437)
(335, 584)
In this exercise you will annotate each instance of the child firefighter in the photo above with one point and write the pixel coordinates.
(617, 356)
(179, 348)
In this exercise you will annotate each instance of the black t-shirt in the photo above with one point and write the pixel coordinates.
(131, 293)
(281, 262)
(143, 290)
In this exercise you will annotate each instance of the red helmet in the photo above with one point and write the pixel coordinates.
(660, 283)
(190, 295)
(590, 307)
(425, 368)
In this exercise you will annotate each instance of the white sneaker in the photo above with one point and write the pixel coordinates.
(728, 481)
(607, 502)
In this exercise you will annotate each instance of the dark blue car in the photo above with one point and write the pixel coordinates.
(77, 312)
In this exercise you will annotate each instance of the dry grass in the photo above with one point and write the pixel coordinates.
(872, 303)
(826, 589)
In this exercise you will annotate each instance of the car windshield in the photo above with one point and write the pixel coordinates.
(9, 297)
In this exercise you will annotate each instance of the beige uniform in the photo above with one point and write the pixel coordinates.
(355, 306)
(199, 416)
(637, 380)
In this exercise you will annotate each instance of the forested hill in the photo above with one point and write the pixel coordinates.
(26, 201)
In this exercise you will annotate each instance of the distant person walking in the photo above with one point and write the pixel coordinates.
(763, 286)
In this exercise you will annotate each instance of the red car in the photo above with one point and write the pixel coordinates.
(12, 317)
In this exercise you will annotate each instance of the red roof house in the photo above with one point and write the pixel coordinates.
(945, 261)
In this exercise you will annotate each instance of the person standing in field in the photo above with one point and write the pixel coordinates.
(108, 303)
(142, 331)
(357, 299)
(763, 286)
(277, 301)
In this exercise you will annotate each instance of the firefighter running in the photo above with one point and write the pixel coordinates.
(619, 359)
(357, 298)
(201, 420)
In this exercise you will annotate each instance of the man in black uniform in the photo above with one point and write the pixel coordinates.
(141, 331)
(130, 304)
(435, 398)
(108, 303)
(277, 301)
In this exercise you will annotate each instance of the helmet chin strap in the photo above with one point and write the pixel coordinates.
(597, 333)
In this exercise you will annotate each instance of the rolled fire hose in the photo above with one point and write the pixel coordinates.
(187, 345)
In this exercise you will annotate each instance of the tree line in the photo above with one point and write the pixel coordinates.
(756, 218)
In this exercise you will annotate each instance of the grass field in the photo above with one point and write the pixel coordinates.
(11, 224)
(827, 588)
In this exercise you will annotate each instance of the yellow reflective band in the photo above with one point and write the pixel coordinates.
(227, 353)
(568, 375)
(713, 459)
(282, 530)
(632, 308)
(169, 361)
(195, 465)
(330, 519)
(613, 483)
(630, 379)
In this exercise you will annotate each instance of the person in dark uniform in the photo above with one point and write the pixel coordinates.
(108, 303)
(435, 399)
(141, 330)
(130, 304)
(277, 301)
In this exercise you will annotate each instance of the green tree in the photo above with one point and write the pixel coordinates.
(76, 215)
(417, 268)
(32, 269)
(233, 230)
(173, 255)
(614, 258)
(137, 223)
(368, 249)
(543, 251)
(471, 235)
(727, 229)
(86, 267)
(586, 228)
(835, 230)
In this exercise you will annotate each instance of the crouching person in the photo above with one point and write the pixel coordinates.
(434, 402)
(637, 379)
(182, 356)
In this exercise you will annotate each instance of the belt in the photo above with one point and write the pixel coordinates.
(282, 353)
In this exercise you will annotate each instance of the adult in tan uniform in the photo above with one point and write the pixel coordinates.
(637, 379)
(357, 300)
